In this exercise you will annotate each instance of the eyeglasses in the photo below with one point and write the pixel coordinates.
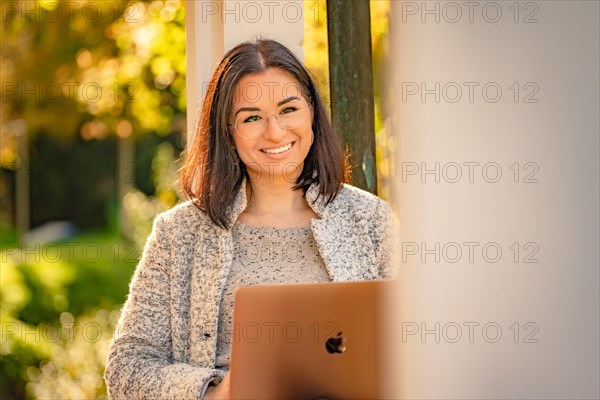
(250, 124)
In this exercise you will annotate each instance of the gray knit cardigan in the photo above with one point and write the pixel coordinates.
(166, 339)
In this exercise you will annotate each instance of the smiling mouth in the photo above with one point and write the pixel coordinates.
(279, 149)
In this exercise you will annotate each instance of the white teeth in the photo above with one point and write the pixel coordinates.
(279, 150)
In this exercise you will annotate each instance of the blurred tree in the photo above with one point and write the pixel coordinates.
(351, 86)
(81, 72)
(119, 69)
(316, 59)
(96, 83)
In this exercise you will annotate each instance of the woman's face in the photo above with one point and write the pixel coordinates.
(271, 125)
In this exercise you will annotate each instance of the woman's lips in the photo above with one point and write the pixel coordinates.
(278, 150)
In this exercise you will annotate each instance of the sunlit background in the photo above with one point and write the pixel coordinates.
(93, 122)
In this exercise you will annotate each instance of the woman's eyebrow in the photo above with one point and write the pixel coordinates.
(282, 102)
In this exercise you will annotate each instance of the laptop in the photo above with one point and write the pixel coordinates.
(309, 341)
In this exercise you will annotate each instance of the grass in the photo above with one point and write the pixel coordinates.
(89, 271)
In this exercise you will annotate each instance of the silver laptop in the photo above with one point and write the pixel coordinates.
(309, 341)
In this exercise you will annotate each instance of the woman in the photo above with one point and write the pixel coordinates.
(268, 204)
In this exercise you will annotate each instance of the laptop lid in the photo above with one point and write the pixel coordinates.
(308, 341)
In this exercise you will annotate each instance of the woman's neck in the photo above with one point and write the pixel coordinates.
(276, 204)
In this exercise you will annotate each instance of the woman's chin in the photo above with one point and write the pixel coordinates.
(272, 172)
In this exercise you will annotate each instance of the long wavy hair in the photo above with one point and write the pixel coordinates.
(213, 172)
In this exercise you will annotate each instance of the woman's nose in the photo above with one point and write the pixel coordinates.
(274, 129)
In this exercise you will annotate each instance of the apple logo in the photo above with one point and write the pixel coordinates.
(335, 344)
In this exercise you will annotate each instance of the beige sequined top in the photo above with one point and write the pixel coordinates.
(266, 256)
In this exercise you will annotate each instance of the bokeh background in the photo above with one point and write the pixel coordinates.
(93, 121)
(93, 125)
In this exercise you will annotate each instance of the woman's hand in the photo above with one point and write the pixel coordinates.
(220, 392)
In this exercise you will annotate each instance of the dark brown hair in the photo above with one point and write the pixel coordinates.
(213, 172)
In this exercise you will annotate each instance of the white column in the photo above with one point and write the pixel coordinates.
(279, 20)
(204, 48)
(214, 27)
(497, 127)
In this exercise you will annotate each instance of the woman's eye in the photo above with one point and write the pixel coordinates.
(289, 110)
(252, 118)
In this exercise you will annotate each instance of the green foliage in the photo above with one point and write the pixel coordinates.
(82, 83)
(76, 361)
(55, 330)
(122, 72)
(140, 208)
(51, 292)
(78, 78)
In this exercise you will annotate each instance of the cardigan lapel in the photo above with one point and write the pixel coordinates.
(347, 256)
(211, 264)
(210, 267)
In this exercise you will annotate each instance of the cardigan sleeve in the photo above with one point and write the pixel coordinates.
(140, 360)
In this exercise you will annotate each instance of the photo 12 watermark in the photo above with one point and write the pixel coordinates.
(53, 92)
(287, 332)
(490, 92)
(453, 252)
(469, 172)
(71, 171)
(471, 12)
(69, 11)
(67, 330)
(253, 12)
(89, 252)
(252, 91)
(470, 332)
